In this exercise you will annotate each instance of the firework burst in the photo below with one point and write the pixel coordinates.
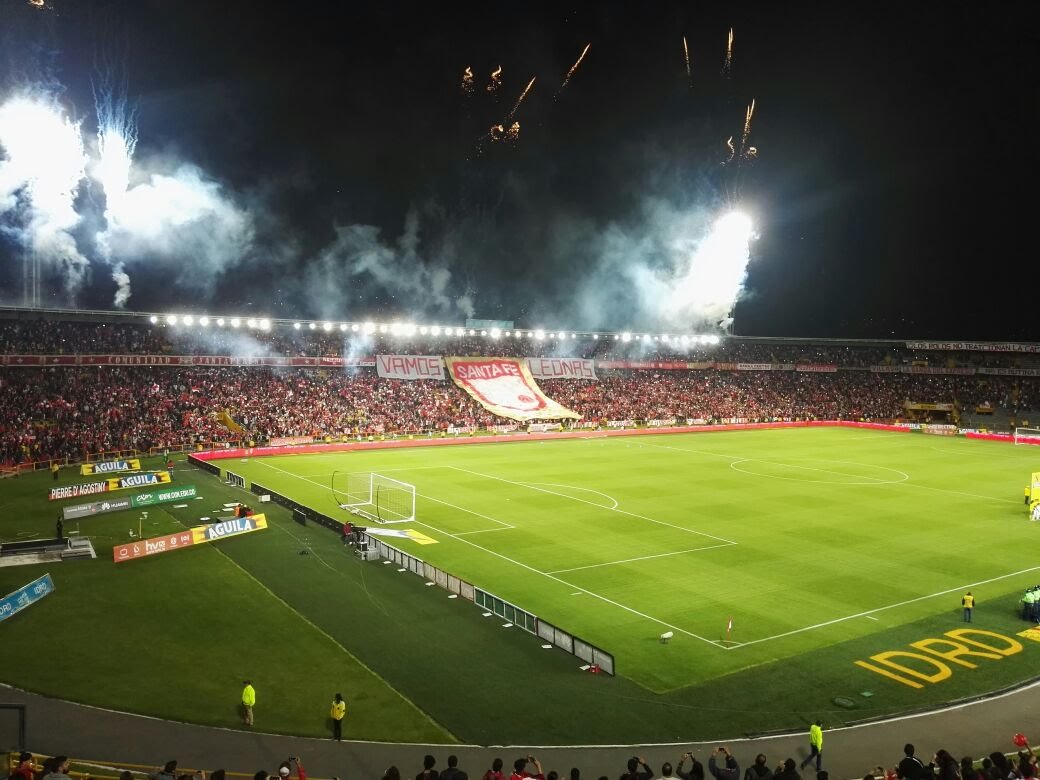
(467, 81)
(496, 81)
(727, 64)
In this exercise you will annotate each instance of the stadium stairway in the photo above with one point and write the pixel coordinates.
(58, 727)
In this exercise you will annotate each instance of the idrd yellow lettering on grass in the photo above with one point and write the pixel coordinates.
(935, 658)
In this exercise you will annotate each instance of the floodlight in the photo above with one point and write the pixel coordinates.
(435, 330)
(539, 334)
(187, 319)
(472, 332)
(265, 324)
(153, 319)
(495, 333)
(326, 326)
(370, 328)
(204, 320)
(250, 323)
(296, 326)
(462, 332)
(220, 321)
(395, 329)
(422, 330)
(354, 328)
(595, 336)
(235, 322)
(343, 327)
(312, 325)
(383, 328)
(626, 336)
(171, 319)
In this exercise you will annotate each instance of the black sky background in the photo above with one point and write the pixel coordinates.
(893, 193)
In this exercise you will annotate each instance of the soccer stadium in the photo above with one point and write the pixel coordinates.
(403, 390)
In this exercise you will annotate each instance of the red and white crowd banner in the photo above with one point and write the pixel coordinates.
(288, 441)
(644, 364)
(816, 369)
(410, 366)
(937, 370)
(974, 346)
(562, 368)
(621, 423)
(504, 386)
(667, 423)
(543, 427)
(1009, 371)
(184, 360)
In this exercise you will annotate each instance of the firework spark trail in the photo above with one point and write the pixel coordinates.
(732, 150)
(521, 100)
(747, 126)
(574, 67)
(686, 54)
(117, 141)
(728, 63)
(467, 81)
(513, 133)
(496, 81)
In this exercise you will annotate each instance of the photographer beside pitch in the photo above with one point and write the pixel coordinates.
(285, 768)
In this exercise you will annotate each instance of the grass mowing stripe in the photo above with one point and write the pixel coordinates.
(640, 558)
(643, 615)
(531, 486)
(315, 626)
(870, 612)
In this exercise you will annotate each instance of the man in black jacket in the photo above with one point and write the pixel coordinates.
(911, 768)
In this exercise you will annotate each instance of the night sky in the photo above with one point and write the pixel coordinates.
(891, 194)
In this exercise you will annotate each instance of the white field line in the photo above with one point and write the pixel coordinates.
(873, 480)
(869, 612)
(575, 487)
(640, 558)
(531, 486)
(506, 558)
(381, 471)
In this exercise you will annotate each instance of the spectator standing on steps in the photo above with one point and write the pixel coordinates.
(696, 768)
(730, 769)
(635, 773)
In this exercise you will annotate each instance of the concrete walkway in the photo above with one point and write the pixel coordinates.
(56, 726)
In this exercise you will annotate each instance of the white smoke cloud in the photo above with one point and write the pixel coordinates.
(40, 173)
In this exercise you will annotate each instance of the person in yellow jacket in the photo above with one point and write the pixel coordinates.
(968, 603)
(815, 745)
(337, 712)
(248, 702)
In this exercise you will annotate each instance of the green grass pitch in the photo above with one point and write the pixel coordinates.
(824, 546)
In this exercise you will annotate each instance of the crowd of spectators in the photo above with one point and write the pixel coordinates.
(719, 764)
(66, 412)
(45, 336)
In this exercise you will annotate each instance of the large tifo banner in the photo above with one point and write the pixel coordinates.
(410, 366)
(25, 595)
(562, 368)
(197, 535)
(504, 386)
(110, 467)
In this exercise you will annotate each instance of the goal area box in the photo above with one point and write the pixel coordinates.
(374, 496)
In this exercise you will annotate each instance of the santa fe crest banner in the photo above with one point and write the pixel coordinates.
(504, 386)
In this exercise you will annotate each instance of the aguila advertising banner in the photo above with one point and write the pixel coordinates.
(110, 467)
(562, 368)
(504, 386)
(410, 366)
(139, 480)
(198, 535)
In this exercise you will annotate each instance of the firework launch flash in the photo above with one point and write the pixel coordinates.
(574, 67)
(728, 63)
(521, 100)
(686, 54)
(732, 150)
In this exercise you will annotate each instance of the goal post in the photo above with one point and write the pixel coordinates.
(374, 496)
(1027, 436)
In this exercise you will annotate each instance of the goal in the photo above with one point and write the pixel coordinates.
(1027, 436)
(374, 496)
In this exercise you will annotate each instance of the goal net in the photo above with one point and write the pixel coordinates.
(374, 496)
(1027, 435)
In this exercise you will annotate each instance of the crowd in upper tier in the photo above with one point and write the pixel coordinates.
(80, 337)
(65, 412)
